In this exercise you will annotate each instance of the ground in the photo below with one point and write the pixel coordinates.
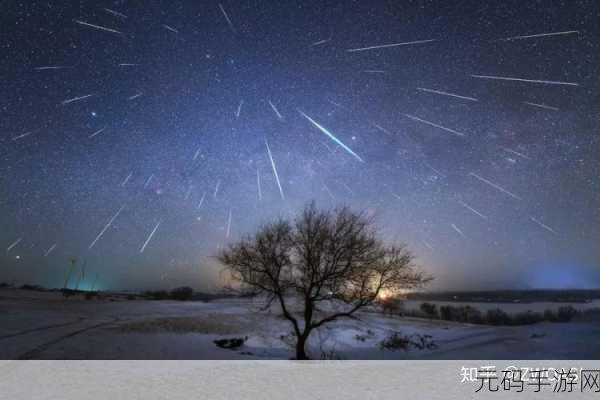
(44, 325)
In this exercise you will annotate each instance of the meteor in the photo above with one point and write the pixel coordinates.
(115, 13)
(546, 227)
(148, 181)
(458, 230)
(239, 109)
(16, 242)
(434, 125)
(217, 188)
(135, 96)
(544, 106)
(97, 132)
(227, 18)
(258, 185)
(447, 94)
(506, 78)
(276, 110)
(50, 250)
(102, 28)
(74, 99)
(126, 179)
(201, 200)
(320, 42)
(196, 154)
(50, 68)
(228, 225)
(106, 227)
(516, 153)
(331, 136)
(498, 187)
(472, 209)
(14, 139)
(384, 46)
(274, 170)
(538, 35)
(149, 237)
(170, 28)
(329, 192)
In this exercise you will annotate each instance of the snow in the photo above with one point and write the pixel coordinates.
(45, 325)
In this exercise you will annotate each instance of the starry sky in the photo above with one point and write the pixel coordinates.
(139, 137)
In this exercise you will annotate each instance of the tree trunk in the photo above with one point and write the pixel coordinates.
(300, 352)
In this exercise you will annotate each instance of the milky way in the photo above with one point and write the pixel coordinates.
(140, 137)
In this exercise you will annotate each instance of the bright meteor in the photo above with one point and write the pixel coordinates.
(331, 136)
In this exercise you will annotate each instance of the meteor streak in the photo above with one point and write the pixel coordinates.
(276, 110)
(197, 154)
(434, 125)
(126, 179)
(331, 136)
(97, 132)
(239, 109)
(383, 46)
(274, 170)
(516, 153)
(135, 96)
(74, 99)
(472, 209)
(458, 230)
(258, 185)
(201, 200)
(148, 181)
(50, 250)
(538, 35)
(106, 226)
(149, 237)
(227, 18)
(21, 136)
(102, 28)
(505, 78)
(16, 242)
(546, 227)
(115, 13)
(447, 94)
(217, 188)
(498, 187)
(228, 225)
(50, 68)
(170, 28)
(544, 106)
(320, 42)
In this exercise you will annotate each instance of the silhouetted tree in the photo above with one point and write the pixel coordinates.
(320, 267)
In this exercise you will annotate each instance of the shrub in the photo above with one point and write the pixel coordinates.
(156, 294)
(397, 341)
(37, 288)
(183, 293)
(230, 344)
(497, 317)
(429, 309)
(91, 295)
(527, 318)
(566, 313)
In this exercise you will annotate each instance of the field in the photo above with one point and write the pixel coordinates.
(44, 325)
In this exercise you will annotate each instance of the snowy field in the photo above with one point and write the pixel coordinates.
(44, 325)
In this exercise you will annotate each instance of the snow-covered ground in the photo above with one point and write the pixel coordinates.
(43, 325)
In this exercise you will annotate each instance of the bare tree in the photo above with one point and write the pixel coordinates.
(322, 266)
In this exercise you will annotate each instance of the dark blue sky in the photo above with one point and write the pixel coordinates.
(163, 110)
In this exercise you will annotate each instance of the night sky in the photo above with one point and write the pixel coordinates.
(141, 136)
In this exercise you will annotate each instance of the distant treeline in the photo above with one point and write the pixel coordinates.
(497, 316)
(510, 296)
